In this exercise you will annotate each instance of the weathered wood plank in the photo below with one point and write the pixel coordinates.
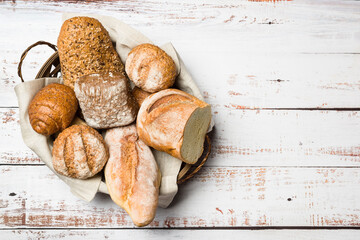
(246, 138)
(260, 65)
(156, 234)
(32, 197)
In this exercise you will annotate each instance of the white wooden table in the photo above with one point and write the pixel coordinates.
(283, 79)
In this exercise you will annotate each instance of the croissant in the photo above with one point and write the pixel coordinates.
(52, 109)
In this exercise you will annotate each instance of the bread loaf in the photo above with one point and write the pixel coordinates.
(150, 68)
(132, 175)
(140, 95)
(79, 152)
(85, 47)
(52, 109)
(175, 122)
(106, 100)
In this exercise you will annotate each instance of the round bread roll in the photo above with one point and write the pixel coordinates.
(150, 68)
(52, 109)
(79, 152)
(140, 95)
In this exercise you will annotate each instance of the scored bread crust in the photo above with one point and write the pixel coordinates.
(52, 109)
(85, 47)
(79, 152)
(163, 120)
(150, 68)
(132, 175)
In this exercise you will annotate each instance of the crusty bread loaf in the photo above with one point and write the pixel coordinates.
(52, 109)
(85, 47)
(150, 68)
(132, 175)
(78, 121)
(140, 95)
(106, 100)
(174, 122)
(79, 152)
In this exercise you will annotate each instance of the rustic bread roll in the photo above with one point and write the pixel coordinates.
(106, 100)
(79, 152)
(78, 121)
(175, 122)
(150, 68)
(52, 109)
(140, 95)
(132, 175)
(85, 47)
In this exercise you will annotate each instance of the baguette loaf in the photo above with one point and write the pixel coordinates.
(175, 122)
(132, 175)
(52, 109)
(85, 47)
(106, 100)
(79, 152)
(150, 68)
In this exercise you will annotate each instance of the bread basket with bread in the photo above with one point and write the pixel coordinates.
(111, 112)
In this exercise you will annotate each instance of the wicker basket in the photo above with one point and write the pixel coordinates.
(51, 68)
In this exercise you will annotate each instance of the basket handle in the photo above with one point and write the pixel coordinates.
(187, 167)
(26, 52)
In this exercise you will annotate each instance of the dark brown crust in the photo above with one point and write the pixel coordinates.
(52, 109)
(66, 139)
(85, 47)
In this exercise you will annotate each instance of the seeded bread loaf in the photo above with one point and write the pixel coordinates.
(85, 47)
(150, 68)
(106, 100)
(132, 175)
(175, 122)
(79, 152)
(52, 109)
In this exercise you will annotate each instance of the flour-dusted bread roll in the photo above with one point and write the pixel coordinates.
(175, 122)
(52, 109)
(132, 175)
(85, 47)
(150, 68)
(79, 152)
(140, 95)
(106, 100)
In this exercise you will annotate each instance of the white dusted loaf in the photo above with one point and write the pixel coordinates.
(150, 68)
(106, 100)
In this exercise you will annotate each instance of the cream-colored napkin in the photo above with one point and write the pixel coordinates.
(125, 38)
(41, 145)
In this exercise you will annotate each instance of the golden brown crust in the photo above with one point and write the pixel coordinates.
(132, 175)
(79, 152)
(150, 68)
(85, 47)
(140, 95)
(52, 109)
(162, 119)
